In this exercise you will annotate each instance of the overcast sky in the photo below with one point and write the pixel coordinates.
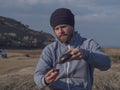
(97, 19)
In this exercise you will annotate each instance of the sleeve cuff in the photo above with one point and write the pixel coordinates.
(85, 54)
(43, 82)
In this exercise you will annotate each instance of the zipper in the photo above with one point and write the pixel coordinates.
(68, 66)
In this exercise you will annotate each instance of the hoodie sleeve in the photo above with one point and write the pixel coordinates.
(96, 57)
(43, 66)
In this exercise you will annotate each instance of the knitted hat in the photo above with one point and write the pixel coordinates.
(62, 16)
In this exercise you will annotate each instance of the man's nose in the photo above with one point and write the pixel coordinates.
(61, 31)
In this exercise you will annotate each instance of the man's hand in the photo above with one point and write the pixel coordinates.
(51, 76)
(77, 53)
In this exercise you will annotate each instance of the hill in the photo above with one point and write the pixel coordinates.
(15, 35)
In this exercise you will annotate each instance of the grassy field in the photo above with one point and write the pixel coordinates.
(16, 72)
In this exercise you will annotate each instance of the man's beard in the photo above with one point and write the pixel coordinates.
(64, 38)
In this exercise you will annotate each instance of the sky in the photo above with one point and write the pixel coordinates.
(96, 19)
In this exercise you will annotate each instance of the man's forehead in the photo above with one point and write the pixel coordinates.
(61, 25)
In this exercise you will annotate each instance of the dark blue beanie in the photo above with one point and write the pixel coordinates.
(62, 16)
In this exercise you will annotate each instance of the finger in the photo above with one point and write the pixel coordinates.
(56, 78)
(52, 74)
(75, 51)
(77, 56)
(49, 73)
(69, 50)
(52, 77)
(49, 81)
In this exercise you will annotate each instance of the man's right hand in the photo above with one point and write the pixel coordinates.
(51, 76)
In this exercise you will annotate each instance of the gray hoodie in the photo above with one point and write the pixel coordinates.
(76, 74)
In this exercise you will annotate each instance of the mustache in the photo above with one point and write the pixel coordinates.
(63, 34)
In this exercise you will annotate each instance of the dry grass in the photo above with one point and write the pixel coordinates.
(112, 51)
(16, 72)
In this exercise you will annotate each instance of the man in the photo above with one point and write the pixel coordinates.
(76, 73)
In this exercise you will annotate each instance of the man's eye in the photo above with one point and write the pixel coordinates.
(56, 28)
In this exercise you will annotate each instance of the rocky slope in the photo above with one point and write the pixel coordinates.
(15, 35)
